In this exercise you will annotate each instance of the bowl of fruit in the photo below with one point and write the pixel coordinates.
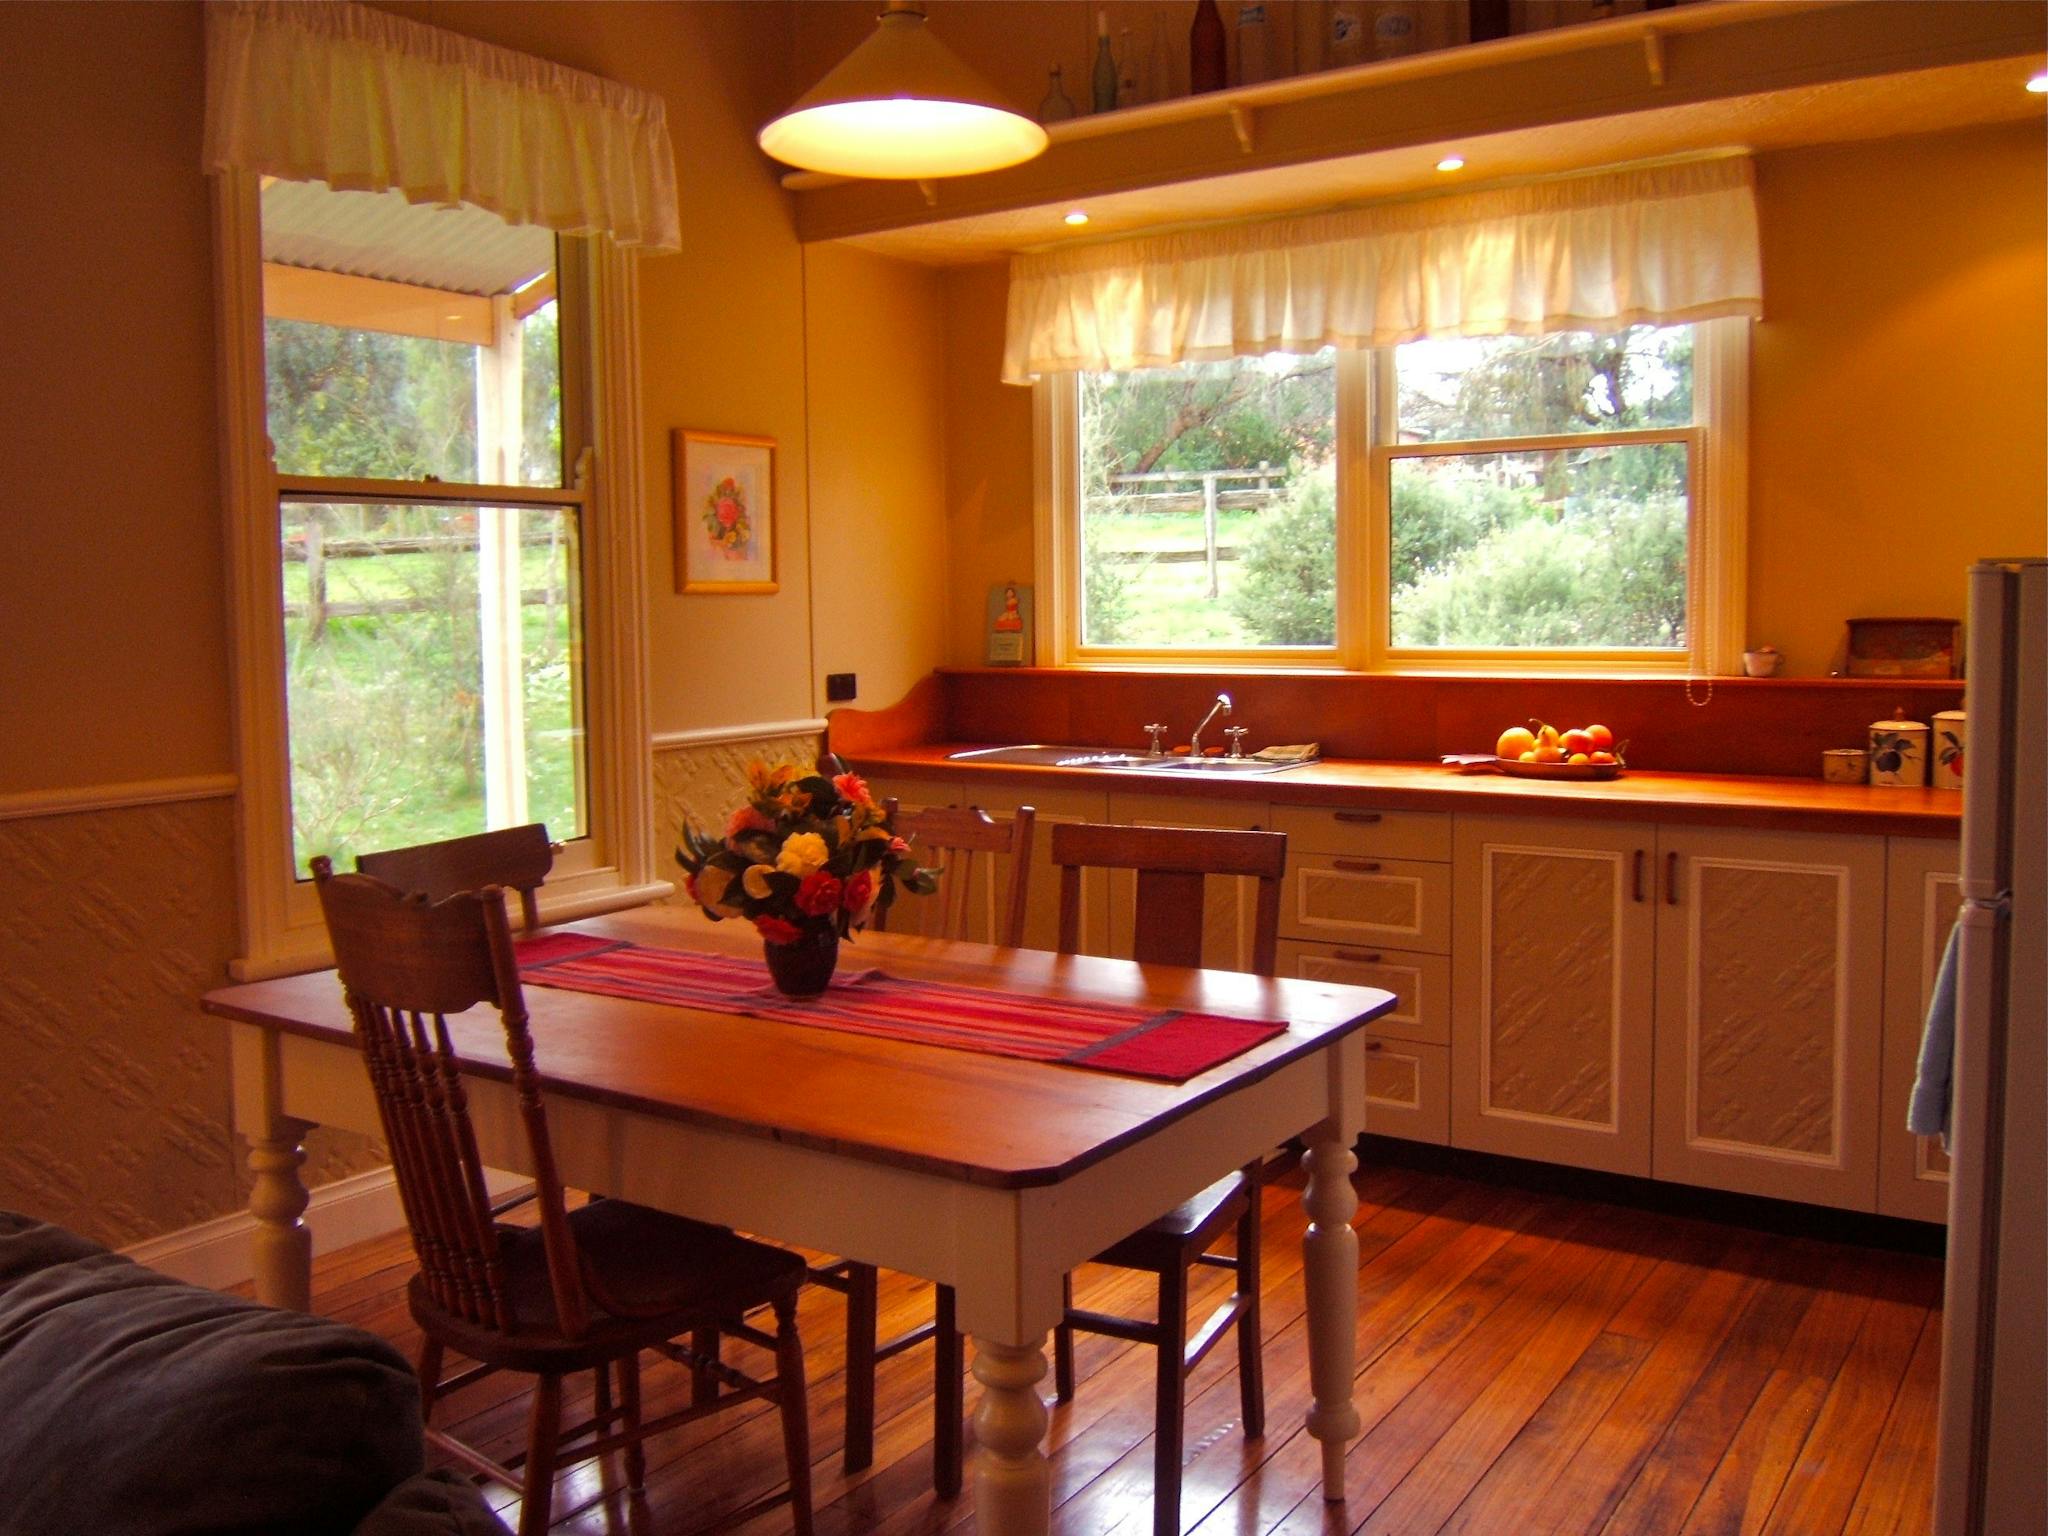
(1539, 751)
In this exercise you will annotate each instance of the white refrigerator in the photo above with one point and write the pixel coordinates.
(1991, 1472)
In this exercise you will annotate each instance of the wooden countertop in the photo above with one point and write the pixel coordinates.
(1713, 799)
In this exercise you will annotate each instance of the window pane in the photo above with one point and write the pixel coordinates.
(1536, 386)
(1583, 547)
(1208, 505)
(404, 341)
(433, 662)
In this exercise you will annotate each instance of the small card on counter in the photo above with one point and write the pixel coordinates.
(1470, 762)
(1009, 625)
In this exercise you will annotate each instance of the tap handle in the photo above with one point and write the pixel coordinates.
(1237, 734)
(1158, 735)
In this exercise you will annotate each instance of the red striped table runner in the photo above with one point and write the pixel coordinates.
(1170, 1046)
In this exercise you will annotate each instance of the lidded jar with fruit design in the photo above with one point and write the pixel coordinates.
(1898, 753)
(1945, 769)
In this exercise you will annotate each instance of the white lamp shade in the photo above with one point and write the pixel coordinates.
(902, 106)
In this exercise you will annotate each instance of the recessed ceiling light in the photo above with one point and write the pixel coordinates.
(1451, 163)
(1077, 218)
(2039, 84)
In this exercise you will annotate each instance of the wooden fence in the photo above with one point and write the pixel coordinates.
(1205, 488)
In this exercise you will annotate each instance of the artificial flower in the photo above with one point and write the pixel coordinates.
(858, 891)
(852, 786)
(777, 930)
(755, 882)
(818, 896)
(747, 819)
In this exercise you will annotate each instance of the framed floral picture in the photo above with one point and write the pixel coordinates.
(724, 512)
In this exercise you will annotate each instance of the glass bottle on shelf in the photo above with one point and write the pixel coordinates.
(1208, 50)
(1162, 70)
(1254, 43)
(1130, 79)
(1104, 81)
(1058, 106)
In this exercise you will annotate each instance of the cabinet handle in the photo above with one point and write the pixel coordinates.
(1359, 818)
(1373, 1045)
(1362, 956)
(1671, 879)
(1359, 866)
(1639, 874)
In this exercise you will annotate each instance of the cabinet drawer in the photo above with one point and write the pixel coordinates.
(1407, 1091)
(1420, 982)
(1340, 898)
(1359, 829)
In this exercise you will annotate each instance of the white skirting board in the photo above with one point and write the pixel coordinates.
(351, 1210)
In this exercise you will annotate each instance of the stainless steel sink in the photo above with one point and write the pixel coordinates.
(1041, 756)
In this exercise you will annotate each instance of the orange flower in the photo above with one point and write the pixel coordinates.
(777, 930)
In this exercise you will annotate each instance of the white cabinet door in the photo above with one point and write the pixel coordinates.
(1770, 963)
(1054, 804)
(1922, 892)
(1553, 937)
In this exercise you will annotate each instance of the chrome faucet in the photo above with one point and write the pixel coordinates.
(1220, 707)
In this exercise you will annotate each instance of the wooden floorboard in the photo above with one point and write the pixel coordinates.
(1528, 1364)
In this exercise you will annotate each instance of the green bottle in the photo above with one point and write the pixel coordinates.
(1105, 66)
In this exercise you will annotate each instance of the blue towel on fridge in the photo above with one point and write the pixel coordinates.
(1928, 1114)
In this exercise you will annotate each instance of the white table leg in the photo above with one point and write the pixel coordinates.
(281, 1246)
(1012, 1481)
(1330, 1268)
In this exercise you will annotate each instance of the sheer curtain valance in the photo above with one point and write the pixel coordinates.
(310, 90)
(1654, 244)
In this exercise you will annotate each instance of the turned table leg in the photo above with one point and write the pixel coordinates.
(1012, 1482)
(281, 1247)
(1330, 1269)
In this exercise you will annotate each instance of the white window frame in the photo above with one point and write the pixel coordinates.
(1717, 534)
(613, 864)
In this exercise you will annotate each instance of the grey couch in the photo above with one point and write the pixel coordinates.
(132, 1404)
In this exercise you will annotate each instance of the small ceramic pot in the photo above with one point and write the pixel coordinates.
(1950, 736)
(1845, 765)
(1762, 663)
(1898, 754)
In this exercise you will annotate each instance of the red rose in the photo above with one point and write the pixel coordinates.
(819, 894)
(861, 886)
(777, 930)
(728, 511)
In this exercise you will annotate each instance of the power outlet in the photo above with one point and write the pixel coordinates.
(840, 687)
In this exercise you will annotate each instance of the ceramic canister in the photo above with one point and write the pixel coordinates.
(1845, 765)
(1946, 771)
(1898, 753)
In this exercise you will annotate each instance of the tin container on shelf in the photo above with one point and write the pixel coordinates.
(1898, 754)
(1945, 769)
(1845, 765)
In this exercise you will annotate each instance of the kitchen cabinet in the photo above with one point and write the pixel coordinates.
(1770, 967)
(1923, 889)
(1553, 982)
(1407, 1062)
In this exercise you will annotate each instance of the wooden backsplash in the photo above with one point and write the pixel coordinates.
(1744, 725)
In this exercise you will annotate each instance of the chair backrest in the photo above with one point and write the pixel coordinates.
(406, 963)
(518, 858)
(1171, 864)
(966, 832)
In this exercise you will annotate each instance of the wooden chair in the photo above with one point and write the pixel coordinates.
(965, 833)
(587, 1289)
(1171, 864)
(962, 832)
(517, 858)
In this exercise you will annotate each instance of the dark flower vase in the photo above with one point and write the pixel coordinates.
(803, 969)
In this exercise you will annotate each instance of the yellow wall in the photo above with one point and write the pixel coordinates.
(1900, 379)
(1897, 394)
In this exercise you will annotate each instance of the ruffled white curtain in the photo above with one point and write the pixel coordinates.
(1654, 244)
(314, 90)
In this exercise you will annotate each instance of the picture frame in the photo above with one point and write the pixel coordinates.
(723, 489)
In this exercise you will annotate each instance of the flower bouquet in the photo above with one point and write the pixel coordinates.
(807, 860)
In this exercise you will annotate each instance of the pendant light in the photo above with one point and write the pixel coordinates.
(902, 106)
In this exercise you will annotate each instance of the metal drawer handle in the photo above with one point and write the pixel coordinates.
(1671, 879)
(1359, 818)
(1359, 866)
(1374, 1045)
(1639, 875)
(1362, 956)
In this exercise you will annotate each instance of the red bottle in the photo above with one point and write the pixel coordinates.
(1208, 50)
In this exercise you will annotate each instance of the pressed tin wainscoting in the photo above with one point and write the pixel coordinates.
(699, 774)
(113, 1086)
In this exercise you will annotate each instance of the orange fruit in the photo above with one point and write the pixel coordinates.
(1514, 741)
(1550, 754)
(1578, 741)
(1603, 757)
(1602, 738)
(1579, 757)
(1528, 756)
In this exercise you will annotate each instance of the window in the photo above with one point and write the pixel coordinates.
(429, 529)
(1570, 501)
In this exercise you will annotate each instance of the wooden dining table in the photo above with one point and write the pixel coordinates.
(993, 1175)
